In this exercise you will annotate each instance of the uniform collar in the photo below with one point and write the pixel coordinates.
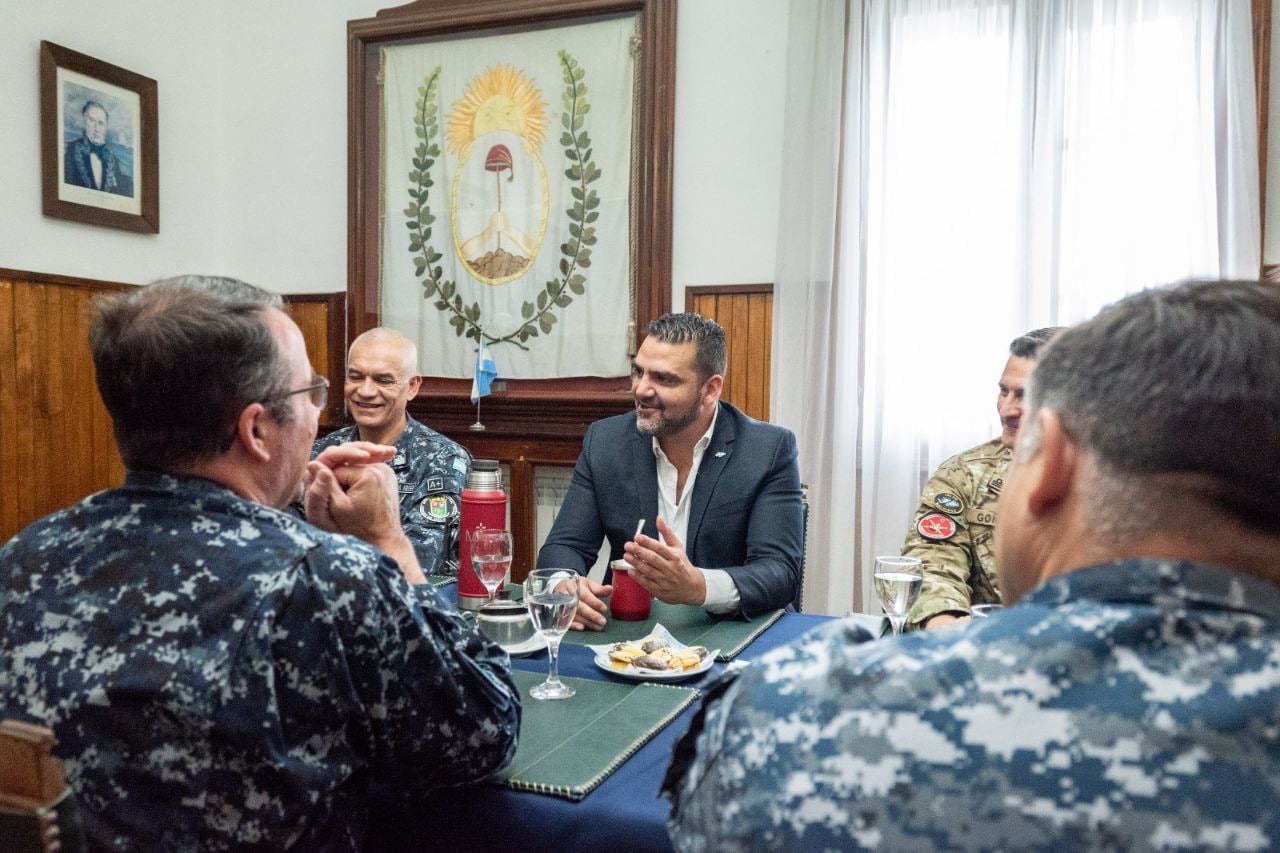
(1165, 583)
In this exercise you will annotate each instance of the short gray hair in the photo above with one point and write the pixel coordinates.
(383, 335)
(178, 361)
(1177, 382)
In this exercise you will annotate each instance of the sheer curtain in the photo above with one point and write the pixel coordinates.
(994, 166)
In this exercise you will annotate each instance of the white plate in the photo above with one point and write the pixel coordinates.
(536, 643)
(603, 661)
(634, 673)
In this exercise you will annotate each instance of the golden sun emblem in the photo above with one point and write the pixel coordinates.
(500, 200)
(501, 98)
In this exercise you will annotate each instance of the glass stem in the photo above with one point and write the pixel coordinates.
(553, 654)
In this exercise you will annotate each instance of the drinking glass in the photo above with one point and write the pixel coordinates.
(898, 581)
(552, 598)
(491, 557)
(982, 611)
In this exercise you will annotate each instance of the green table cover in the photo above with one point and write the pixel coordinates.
(690, 625)
(569, 746)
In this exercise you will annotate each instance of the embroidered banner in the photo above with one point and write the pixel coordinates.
(506, 198)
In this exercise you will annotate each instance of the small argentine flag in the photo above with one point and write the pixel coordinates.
(485, 373)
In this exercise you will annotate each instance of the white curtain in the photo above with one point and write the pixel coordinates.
(995, 166)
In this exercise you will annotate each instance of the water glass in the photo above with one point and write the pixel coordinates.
(898, 581)
(552, 598)
(491, 558)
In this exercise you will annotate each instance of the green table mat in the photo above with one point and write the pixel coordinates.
(569, 746)
(690, 625)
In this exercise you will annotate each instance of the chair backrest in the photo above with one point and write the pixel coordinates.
(804, 545)
(37, 811)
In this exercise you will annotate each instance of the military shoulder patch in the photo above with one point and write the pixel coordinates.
(948, 503)
(435, 484)
(439, 509)
(935, 525)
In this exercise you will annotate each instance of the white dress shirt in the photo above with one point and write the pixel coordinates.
(722, 592)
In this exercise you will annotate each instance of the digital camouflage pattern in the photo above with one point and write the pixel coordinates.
(952, 532)
(1131, 705)
(432, 472)
(221, 675)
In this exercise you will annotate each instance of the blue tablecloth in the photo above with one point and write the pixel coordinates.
(624, 813)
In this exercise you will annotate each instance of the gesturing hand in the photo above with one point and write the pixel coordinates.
(663, 568)
(361, 500)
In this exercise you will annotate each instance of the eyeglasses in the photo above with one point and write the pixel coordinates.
(319, 393)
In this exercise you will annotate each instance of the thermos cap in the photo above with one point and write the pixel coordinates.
(484, 475)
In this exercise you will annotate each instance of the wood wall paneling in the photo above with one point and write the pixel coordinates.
(746, 313)
(56, 445)
(322, 318)
(52, 454)
(8, 416)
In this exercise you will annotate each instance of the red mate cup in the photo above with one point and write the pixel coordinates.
(630, 602)
(484, 504)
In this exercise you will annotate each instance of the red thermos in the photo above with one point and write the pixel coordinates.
(484, 504)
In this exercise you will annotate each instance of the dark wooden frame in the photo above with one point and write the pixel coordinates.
(147, 184)
(558, 408)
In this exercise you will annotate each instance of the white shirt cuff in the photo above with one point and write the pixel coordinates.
(722, 592)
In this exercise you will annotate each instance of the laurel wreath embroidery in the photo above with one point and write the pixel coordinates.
(537, 317)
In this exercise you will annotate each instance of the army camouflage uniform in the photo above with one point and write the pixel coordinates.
(1131, 705)
(952, 532)
(432, 472)
(219, 674)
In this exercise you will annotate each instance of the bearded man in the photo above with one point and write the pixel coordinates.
(719, 492)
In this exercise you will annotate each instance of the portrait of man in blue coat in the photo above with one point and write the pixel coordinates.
(90, 160)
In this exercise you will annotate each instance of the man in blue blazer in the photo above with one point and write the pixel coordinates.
(720, 490)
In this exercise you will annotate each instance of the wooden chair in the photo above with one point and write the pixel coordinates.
(37, 811)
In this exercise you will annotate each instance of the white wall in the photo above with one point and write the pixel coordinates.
(730, 83)
(152, 38)
(253, 135)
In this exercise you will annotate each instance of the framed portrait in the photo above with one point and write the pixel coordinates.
(510, 187)
(98, 142)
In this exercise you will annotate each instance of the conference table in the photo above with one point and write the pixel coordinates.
(623, 812)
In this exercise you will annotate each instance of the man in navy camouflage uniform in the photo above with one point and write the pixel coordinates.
(382, 377)
(218, 673)
(1130, 696)
(953, 528)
